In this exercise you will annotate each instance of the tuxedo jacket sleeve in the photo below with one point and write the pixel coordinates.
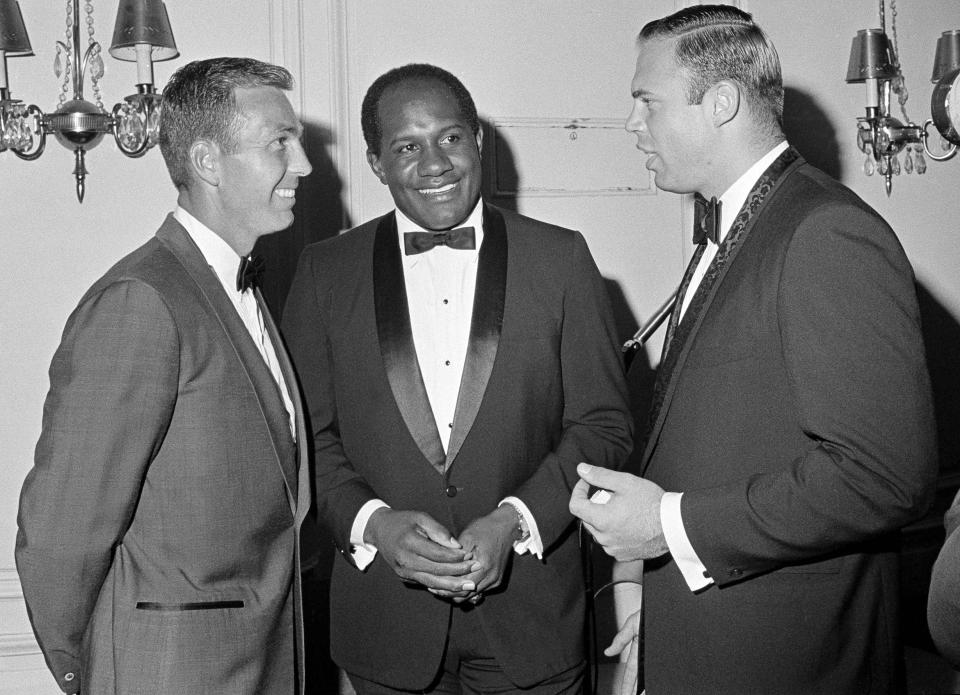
(830, 304)
(114, 364)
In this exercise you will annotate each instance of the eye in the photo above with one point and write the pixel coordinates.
(451, 139)
(407, 148)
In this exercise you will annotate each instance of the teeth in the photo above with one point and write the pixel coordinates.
(437, 191)
(286, 192)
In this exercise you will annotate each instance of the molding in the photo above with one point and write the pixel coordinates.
(344, 152)
(549, 135)
(18, 644)
(286, 44)
(10, 585)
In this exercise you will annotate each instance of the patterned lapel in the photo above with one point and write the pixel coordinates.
(396, 344)
(677, 345)
(485, 326)
(175, 238)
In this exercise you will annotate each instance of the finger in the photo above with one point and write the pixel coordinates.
(620, 642)
(452, 585)
(603, 477)
(421, 546)
(437, 532)
(579, 499)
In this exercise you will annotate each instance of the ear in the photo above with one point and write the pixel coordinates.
(205, 161)
(480, 140)
(725, 98)
(374, 161)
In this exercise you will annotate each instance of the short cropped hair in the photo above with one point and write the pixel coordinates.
(370, 110)
(718, 42)
(199, 104)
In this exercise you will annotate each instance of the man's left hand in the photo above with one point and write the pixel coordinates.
(489, 541)
(628, 524)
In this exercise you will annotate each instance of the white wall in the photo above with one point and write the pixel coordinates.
(55, 248)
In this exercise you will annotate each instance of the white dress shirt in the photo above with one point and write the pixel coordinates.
(440, 286)
(225, 262)
(693, 570)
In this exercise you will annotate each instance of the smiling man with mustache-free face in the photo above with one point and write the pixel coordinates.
(458, 361)
(429, 155)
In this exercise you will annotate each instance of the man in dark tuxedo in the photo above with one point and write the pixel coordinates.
(791, 426)
(158, 543)
(458, 362)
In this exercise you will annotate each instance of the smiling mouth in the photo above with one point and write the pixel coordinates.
(286, 192)
(431, 192)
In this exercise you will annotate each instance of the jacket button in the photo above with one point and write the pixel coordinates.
(451, 491)
(69, 677)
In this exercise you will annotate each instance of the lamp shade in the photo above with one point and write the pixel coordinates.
(871, 57)
(143, 22)
(947, 57)
(13, 34)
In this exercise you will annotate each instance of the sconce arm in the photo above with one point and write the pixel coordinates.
(937, 158)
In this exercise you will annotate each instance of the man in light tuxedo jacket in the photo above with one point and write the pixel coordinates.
(792, 433)
(158, 542)
(458, 361)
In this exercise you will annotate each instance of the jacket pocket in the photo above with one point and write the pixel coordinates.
(193, 606)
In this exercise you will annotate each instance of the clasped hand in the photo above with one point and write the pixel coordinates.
(628, 524)
(421, 550)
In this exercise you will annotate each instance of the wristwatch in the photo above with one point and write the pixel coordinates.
(522, 528)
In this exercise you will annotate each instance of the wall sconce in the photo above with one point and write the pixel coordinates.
(142, 34)
(874, 61)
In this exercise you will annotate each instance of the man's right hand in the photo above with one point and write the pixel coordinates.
(419, 549)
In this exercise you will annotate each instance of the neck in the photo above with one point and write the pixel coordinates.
(205, 212)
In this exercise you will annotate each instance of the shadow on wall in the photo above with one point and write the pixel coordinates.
(810, 131)
(318, 214)
(601, 623)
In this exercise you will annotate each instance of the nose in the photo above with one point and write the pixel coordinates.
(635, 121)
(434, 162)
(298, 164)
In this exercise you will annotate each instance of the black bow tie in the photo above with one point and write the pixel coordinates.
(418, 242)
(706, 220)
(248, 275)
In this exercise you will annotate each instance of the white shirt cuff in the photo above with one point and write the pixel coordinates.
(682, 552)
(533, 544)
(363, 553)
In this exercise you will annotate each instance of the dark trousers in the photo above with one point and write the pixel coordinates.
(469, 667)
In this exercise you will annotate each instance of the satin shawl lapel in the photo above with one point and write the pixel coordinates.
(678, 348)
(290, 379)
(396, 343)
(175, 238)
(485, 326)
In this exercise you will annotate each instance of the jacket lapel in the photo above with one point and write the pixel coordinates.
(175, 238)
(677, 346)
(396, 343)
(302, 500)
(485, 327)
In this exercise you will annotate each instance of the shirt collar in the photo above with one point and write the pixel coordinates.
(735, 196)
(475, 220)
(216, 252)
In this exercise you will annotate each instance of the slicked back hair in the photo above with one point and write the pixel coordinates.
(414, 72)
(721, 42)
(199, 104)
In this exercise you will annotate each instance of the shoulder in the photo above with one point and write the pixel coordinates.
(542, 239)
(809, 192)
(344, 248)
